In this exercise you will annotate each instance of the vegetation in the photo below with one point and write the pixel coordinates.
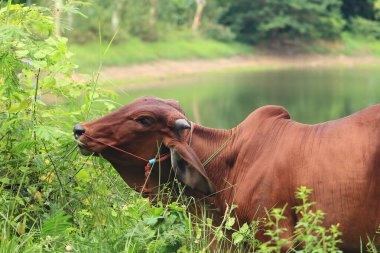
(136, 51)
(54, 200)
(256, 21)
(148, 30)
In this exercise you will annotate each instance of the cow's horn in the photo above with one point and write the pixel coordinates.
(181, 124)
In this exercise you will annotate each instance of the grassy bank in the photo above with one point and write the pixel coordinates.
(135, 51)
(355, 45)
(349, 45)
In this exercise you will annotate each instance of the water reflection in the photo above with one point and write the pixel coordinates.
(310, 95)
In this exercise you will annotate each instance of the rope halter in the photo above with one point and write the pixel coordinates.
(149, 162)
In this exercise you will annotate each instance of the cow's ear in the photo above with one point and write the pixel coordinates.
(188, 167)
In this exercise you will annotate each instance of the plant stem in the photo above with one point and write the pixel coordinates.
(34, 118)
(54, 167)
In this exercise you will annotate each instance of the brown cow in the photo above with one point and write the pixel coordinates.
(265, 159)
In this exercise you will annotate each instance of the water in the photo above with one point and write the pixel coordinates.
(312, 95)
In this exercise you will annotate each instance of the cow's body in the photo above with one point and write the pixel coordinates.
(273, 155)
(267, 157)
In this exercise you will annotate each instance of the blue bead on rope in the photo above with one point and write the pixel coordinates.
(152, 161)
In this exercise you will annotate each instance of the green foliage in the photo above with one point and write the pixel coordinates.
(255, 21)
(357, 45)
(359, 8)
(275, 232)
(56, 225)
(219, 32)
(309, 234)
(35, 136)
(148, 20)
(259, 21)
(135, 226)
(309, 230)
(370, 246)
(376, 7)
(365, 28)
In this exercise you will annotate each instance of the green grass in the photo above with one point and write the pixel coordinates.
(135, 51)
(357, 46)
(349, 44)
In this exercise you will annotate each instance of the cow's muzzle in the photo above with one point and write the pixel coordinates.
(78, 131)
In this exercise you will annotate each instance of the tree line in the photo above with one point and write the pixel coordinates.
(249, 21)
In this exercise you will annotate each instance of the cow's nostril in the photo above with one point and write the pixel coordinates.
(78, 131)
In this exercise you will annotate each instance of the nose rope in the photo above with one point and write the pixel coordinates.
(149, 162)
(116, 148)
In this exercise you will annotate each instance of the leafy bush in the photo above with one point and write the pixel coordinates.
(136, 19)
(364, 27)
(219, 32)
(263, 20)
(36, 136)
(309, 231)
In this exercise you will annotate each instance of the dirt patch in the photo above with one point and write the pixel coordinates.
(168, 68)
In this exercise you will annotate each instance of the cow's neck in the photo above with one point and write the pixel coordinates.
(206, 142)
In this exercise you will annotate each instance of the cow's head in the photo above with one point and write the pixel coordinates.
(140, 128)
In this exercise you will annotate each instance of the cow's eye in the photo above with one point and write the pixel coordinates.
(144, 121)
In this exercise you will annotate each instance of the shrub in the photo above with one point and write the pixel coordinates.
(309, 232)
(36, 140)
(264, 20)
(364, 27)
(219, 32)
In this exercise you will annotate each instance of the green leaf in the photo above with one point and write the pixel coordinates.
(48, 82)
(15, 108)
(40, 54)
(40, 162)
(20, 200)
(40, 64)
(50, 41)
(56, 225)
(230, 222)
(22, 53)
(237, 238)
(219, 235)
(240, 235)
(244, 229)
(82, 175)
(153, 220)
(5, 180)
(23, 145)
(48, 133)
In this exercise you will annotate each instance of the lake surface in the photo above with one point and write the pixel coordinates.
(311, 95)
